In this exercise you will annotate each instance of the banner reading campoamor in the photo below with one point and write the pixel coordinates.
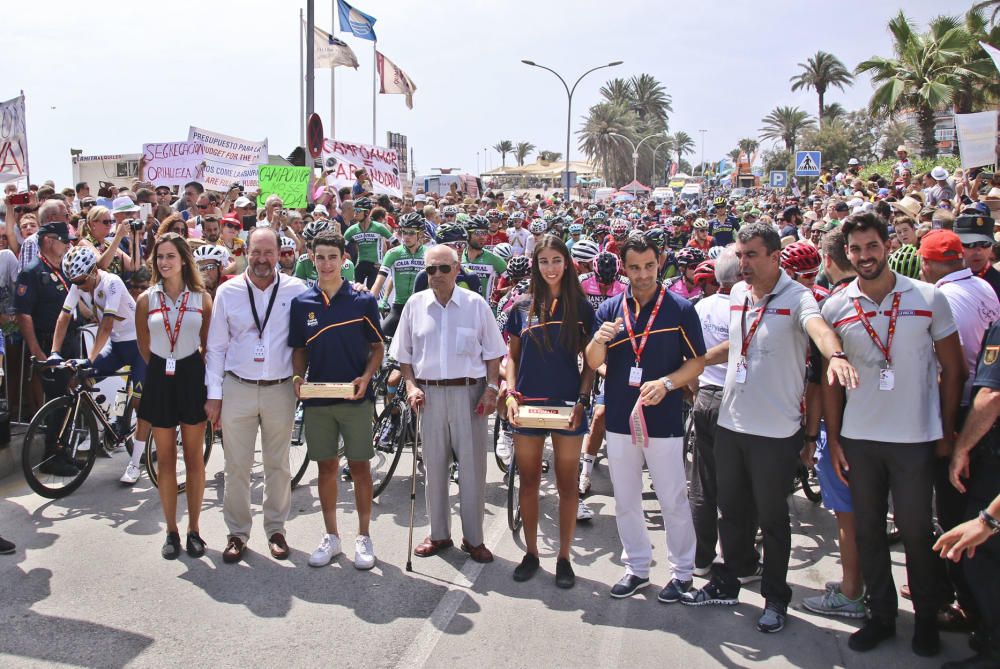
(381, 164)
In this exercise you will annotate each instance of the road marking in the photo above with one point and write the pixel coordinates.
(420, 649)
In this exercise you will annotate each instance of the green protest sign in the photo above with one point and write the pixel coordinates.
(291, 184)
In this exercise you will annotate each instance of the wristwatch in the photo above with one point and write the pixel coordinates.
(839, 354)
(494, 387)
(583, 400)
(990, 521)
(668, 384)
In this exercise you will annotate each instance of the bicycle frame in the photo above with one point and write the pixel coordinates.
(83, 395)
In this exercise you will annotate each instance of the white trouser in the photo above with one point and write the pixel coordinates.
(664, 459)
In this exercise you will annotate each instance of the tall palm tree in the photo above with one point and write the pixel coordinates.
(820, 72)
(503, 147)
(683, 144)
(980, 91)
(747, 145)
(922, 76)
(609, 153)
(617, 91)
(652, 103)
(521, 152)
(786, 123)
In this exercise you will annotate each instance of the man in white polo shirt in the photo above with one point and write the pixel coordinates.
(882, 439)
(759, 435)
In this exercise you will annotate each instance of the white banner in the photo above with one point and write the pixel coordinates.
(173, 163)
(229, 159)
(977, 138)
(13, 141)
(381, 164)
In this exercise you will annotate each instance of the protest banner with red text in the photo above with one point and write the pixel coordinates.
(173, 163)
(382, 165)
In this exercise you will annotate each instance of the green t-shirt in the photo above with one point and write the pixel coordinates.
(306, 270)
(488, 267)
(369, 241)
(403, 267)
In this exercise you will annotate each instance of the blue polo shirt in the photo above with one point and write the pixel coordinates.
(547, 374)
(337, 335)
(674, 337)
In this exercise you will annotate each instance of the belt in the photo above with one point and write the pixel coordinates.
(448, 382)
(711, 388)
(261, 382)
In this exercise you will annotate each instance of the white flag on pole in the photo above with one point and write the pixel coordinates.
(394, 80)
(13, 141)
(331, 52)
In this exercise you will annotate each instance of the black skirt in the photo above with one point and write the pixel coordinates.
(168, 401)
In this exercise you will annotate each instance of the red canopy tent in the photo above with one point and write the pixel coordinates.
(635, 187)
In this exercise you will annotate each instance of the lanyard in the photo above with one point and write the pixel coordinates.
(55, 272)
(893, 315)
(270, 305)
(748, 336)
(173, 336)
(640, 347)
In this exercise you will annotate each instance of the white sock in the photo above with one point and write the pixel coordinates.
(588, 464)
(138, 448)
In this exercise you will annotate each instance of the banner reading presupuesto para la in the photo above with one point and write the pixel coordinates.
(381, 164)
(229, 159)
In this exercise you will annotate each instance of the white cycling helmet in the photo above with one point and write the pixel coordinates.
(313, 228)
(537, 226)
(585, 250)
(287, 244)
(212, 253)
(79, 261)
(715, 252)
(503, 250)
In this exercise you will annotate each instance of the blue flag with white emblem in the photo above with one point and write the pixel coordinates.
(356, 22)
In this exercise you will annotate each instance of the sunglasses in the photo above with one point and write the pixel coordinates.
(80, 281)
(433, 269)
(978, 245)
(807, 275)
(163, 192)
(231, 226)
(203, 206)
(287, 253)
(208, 267)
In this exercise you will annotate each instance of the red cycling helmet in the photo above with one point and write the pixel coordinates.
(705, 273)
(800, 257)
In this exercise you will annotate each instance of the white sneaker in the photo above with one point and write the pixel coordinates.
(131, 475)
(503, 446)
(584, 484)
(364, 553)
(328, 549)
(583, 513)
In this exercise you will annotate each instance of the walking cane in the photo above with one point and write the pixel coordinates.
(413, 494)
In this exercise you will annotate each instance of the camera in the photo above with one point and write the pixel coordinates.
(237, 185)
(134, 224)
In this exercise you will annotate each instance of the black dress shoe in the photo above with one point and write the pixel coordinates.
(628, 586)
(872, 634)
(195, 545)
(565, 578)
(527, 568)
(172, 547)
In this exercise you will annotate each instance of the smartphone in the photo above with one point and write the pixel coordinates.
(20, 198)
(145, 211)
(249, 222)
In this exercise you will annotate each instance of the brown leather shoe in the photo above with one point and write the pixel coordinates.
(234, 550)
(478, 553)
(953, 618)
(429, 547)
(904, 591)
(278, 546)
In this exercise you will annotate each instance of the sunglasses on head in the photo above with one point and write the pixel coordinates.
(433, 269)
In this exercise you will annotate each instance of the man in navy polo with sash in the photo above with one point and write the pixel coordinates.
(652, 344)
(334, 331)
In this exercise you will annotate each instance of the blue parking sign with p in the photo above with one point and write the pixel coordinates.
(779, 179)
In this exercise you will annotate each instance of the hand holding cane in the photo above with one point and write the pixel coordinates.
(413, 492)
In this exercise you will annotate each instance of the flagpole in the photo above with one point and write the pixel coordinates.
(333, 78)
(27, 159)
(374, 67)
(302, 84)
(310, 56)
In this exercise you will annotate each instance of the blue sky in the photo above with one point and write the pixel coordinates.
(106, 81)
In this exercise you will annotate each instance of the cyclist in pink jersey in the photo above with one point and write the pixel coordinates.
(687, 259)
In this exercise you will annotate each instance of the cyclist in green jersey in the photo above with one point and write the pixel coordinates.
(370, 237)
(305, 267)
(403, 263)
(483, 263)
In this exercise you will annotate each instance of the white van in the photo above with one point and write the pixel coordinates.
(663, 193)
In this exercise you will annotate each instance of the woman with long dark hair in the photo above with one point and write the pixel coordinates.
(547, 334)
(171, 322)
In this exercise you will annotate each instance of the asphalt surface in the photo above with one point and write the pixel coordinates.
(87, 588)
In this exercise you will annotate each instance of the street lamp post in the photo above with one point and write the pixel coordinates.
(703, 152)
(569, 104)
(653, 171)
(635, 150)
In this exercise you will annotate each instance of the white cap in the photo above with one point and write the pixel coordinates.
(320, 209)
(242, 201)
(123, 204)
(939, 173)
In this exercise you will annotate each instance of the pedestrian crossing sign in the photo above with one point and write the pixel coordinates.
(807, 163)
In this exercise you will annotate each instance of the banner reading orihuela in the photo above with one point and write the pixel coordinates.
(291, 184)
(382, 165)
(13, 141)
(172, 163)
(229, 159)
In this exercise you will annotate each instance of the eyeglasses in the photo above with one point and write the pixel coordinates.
(978, 245)
(287, 253)
(433, 269)
(231, 226)
(203, 206)
(207, 267)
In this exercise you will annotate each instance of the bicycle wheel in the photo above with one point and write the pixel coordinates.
(513, 499)
(57, 471)
(388, 454)
(298, 452)
(498, 428)
(130, 419)
(153, 467)
(804, 477)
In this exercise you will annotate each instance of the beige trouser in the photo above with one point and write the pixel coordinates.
(450, 424)
(245, 409)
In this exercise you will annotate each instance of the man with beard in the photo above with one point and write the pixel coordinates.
(483, 263)
(248, 371)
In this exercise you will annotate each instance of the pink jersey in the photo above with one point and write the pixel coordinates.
(596, 292)
(678, 287)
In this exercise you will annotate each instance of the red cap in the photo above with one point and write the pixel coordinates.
(230, 218)
(941, 246)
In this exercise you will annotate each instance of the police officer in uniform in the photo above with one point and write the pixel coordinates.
(38, 298)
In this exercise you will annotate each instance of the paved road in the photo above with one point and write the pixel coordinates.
(88, 588)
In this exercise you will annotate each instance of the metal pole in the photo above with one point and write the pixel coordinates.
(703, 152)
(310, 56)
(374, 67)
(27, 161)
(333, 78)
(302, 86)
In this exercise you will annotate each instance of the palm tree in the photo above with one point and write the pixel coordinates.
(982, 90)
(521, 152)
(786, 123)
(820, 72)
(617, 91)
(683, 144)
(549, 156)
(834, 112)
(503, 147)
(922, 76)
(747, 145)
(895, 133)
(608, 152)
(651, 101)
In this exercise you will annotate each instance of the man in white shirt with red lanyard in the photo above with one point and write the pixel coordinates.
(883, 437)
(248, 371)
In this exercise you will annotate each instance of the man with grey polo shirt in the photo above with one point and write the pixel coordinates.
(759, 435)
(882, 438)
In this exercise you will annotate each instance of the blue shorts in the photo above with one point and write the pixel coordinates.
(836, 495)
(583, 428)
(123, 353)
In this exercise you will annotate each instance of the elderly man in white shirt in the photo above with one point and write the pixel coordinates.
(449, 348)
(248, 371)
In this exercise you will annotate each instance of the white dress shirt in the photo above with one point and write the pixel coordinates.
(453, 341)
(232, 334)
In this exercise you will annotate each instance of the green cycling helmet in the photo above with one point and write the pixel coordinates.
(906, 261)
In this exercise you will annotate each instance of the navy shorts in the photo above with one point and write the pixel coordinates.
(123, 353)
(836, 495)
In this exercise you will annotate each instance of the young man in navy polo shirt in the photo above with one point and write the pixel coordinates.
(652, 344)
(335, 332)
